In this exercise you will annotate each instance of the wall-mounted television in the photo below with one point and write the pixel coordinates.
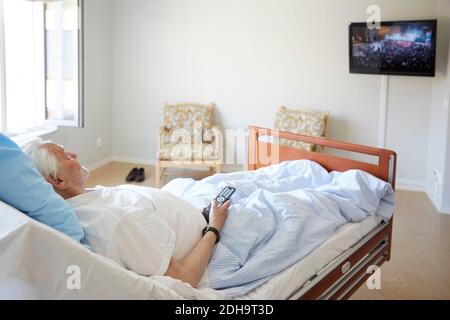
(395, 48)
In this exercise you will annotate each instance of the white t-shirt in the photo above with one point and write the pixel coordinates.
(140, 228)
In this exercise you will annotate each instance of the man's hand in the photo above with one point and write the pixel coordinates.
(218, 214)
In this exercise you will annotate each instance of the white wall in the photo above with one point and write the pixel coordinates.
(98, 73)
(438, 171)
(444, 9)
(250, 57)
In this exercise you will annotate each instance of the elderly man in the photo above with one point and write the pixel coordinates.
(279, 215)
(146, 230)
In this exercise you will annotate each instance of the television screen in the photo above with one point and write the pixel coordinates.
(397, 47)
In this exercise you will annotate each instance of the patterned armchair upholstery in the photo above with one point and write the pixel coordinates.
(189, 137)
(189, 133)
(302, 121)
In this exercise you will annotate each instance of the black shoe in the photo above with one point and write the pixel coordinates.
(140, 175)
(132, 175)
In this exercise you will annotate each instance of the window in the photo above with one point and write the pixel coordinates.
(41, 60)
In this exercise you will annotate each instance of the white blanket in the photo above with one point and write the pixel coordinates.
(279, 215)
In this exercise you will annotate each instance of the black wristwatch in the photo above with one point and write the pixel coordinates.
(212, 229)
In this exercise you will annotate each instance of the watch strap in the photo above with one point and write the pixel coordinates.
(214, 230)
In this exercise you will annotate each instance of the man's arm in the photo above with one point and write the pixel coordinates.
(192, 268)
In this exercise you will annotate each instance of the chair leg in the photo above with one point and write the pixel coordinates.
(158, 175)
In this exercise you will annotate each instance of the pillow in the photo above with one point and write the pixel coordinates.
(22, 187)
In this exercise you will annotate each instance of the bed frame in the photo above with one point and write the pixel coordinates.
(343, 276)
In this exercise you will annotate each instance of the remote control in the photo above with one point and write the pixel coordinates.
(223, 197)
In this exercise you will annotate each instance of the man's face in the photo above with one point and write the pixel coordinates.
(69, 168)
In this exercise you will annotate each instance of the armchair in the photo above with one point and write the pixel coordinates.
(188, 138)
(303, 121)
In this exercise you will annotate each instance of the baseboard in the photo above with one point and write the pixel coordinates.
(152, 162)
(411, 185)
(402, 184)
(432, 197)
(141, 161)
(420, 186)
(99, 164)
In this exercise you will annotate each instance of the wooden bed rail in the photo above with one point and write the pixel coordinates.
(385, 169)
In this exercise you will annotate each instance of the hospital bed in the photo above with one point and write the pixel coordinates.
(37, 262)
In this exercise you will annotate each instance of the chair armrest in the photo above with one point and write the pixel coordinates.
(167, 136)
(163, 137)
(163, 130)
(209, 135)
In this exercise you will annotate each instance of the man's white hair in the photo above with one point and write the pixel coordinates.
(45, 161)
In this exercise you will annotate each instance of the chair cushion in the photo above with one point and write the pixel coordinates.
(185, 135)
(301, 121)
(188, 152)
(23, 188)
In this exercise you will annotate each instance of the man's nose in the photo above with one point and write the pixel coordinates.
(73, 155)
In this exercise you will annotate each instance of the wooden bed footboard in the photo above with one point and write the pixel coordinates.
(347, 273)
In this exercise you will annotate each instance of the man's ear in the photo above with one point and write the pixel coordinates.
(57, 183)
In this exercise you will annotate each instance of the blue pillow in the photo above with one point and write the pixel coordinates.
(22, 187)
